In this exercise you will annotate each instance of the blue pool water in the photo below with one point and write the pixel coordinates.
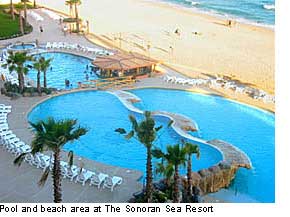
(254, 11)
(64, 66)
(22, 47)
(103, 113)
(250, 129)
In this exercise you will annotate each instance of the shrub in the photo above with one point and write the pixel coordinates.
(11, 87)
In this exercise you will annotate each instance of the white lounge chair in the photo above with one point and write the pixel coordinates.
(112, 182)
(98, 179)
(84, 175)
(72, 172)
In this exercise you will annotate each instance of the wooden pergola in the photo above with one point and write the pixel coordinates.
(124, 64)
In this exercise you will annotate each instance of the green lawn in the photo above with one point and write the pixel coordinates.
(9, 27)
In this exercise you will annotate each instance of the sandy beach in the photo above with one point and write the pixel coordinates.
(244, 52)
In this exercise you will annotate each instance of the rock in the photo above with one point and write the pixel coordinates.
(26, 94)
(204, 173)
(224, 165)
(214, 169)
(34, 94)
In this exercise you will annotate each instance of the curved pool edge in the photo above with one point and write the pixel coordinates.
(230, 153)
(207, 94)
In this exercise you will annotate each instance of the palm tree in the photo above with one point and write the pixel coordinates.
(52, 135)
(146, 134)
(41, 65)
(37, 67)
(45, 64)
(175, 156)
(70, 4)
(21, 22)
(75, 3)
(190, 150)
(16, 62)
(12, 10)
(25, 10)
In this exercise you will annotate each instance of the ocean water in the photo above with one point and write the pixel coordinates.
(261, 12)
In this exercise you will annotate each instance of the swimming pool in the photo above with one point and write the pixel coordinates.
(24, 46)
(249, 129)
(65, 66)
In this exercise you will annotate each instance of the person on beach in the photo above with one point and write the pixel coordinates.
(64, 30)
(41, 29)
(177, 32)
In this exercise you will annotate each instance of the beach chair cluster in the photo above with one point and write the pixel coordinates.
(184, 81)
(5, 75)
(83, 176)
(218, 82)
(8, 140)
(35, 16)
(77, 48)
(11, 143)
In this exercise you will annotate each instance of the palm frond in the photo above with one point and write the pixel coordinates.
(133, 122)
(44, 177)
(18, 161)
(120, 130)
(129, 135)
(70, 158)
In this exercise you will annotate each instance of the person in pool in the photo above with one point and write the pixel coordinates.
(66, 82)
(87, 76)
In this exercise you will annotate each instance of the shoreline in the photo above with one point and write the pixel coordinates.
(213, 14)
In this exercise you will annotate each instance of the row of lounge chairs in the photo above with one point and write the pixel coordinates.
(35, 15)
(14, 145)
(222, 83)
(183, 81)
(77, 47)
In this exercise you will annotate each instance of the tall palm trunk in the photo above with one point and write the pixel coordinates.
(21, 23)
(44, 80)
(149, 185)
(189, 178)
(176, 185)
(56, 175)
(12, 10)
(21, 82)
(38, 82)
(25, 14)
(77, 18)
(71, 10)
